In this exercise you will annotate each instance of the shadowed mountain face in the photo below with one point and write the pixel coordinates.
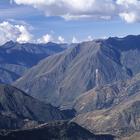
(55, 131)
(129, 47)
(127, 43)
(19, 110)
(61, 78)
(16, 58)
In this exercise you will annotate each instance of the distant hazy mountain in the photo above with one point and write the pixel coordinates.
(19, 110)
(61, 78)
(16, 58)
(54, 131)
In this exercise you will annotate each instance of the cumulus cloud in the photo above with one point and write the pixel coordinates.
(75, 40)
(89, 38)
(45, 39)
(74, 9)
(17, 33)
(128, 10)
(21, 33)
(24, 35)
(61, 39)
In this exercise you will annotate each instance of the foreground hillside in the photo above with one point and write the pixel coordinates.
(19, 110)
(113, 109)
(23, 117)
(54, 131)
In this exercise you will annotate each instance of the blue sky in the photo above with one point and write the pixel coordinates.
(57, 26)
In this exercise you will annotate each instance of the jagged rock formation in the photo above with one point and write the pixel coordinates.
(54, 131)
(61, 78)
(16, 59)
(19, 110)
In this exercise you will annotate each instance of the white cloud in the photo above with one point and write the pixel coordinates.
(21, 33)
(74, 9)
(17, 33)
(24, 35)
(126, 3)
(75, 40)
(45, 39)
(129, 17)
(90, 38)
(128, 10)
(61, 39)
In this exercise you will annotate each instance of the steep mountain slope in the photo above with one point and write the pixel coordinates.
(118, 109)
(16, 58)
(122, 120)
(63, 77)
(129, 47)
(107, 96)
(55, 131)
(18, 109)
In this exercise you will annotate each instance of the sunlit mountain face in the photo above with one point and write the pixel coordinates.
(69, 70)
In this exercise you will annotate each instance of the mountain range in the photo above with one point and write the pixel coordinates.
(62, 78)
(16, 58)
(94, 85)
